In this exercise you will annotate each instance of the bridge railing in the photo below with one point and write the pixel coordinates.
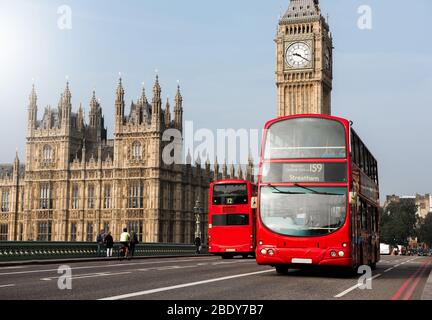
(32, 250)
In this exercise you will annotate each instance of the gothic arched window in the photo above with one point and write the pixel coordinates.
(136, 151)
(47, 153)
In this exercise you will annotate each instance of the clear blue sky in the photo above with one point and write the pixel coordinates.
(223, 53)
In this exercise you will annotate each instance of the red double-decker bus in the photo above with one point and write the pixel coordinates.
(318, 195)
(231, 218)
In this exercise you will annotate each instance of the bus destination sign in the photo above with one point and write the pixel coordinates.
(304, 172)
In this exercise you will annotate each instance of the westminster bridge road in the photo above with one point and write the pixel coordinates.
(211, 278)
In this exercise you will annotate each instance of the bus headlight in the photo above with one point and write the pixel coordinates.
(271, 252)
(344, 245)
(341, 254)
(261, 243)
(263, 252)
(333, 253)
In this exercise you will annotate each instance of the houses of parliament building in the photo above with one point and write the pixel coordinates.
(77, 182)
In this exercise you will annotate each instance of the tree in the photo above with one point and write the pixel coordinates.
(425, 230)
(398, 222)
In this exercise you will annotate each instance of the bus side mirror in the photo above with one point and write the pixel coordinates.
(353, 197)
(253, 202)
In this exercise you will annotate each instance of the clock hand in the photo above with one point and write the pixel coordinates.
(299, 55)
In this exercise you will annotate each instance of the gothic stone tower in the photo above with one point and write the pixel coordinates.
(304, 60)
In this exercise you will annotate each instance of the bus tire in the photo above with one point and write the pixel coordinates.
(282, 269)
(373, 265)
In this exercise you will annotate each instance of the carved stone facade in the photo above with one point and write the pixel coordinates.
(77, 182)
(304, 58)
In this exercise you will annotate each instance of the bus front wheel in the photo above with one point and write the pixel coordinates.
(282, 269)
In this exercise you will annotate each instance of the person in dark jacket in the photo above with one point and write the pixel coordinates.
(133, 243)
(109, 243)
(100, 242)
(197, 243)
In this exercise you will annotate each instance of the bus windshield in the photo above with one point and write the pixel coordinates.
(302, 212)
(230, 194)
(302, 138)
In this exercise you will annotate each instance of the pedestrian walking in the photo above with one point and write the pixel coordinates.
(109, 243)
(125, 243)
(100, 242)
(197, 243)
(133, 243)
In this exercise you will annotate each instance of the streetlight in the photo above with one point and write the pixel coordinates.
(197, 211)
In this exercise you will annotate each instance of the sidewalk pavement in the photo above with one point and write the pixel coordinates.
(427, 292)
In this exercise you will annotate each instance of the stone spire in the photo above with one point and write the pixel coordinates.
(178, 110)
(249, 170)
(232, 171)
(198, 161)
(143, 99)
(33, 97)
(207, 167)
(67, 96)
(66, 106)
(119, 105)
(301, 11)
(188, 158)
(94, 111)
(240, 173)
(32, 108)
(16, 160)
(80, 117)
(167, 114)
(156, 103)
(216, 170)
(224, 171)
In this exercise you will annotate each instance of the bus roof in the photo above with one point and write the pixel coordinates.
(323, 116)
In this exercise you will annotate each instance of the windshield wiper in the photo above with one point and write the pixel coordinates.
(277, 190)
(317, 192)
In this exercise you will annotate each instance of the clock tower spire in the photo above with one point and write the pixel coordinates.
(304, 68)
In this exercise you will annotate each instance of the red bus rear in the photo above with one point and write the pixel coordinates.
(231, 219)
(318, 195)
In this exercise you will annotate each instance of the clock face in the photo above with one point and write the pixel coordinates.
(299, 55)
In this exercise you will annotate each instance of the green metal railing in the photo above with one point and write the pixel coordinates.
(19, 251)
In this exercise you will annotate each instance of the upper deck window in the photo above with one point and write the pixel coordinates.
(303, 138)
(230, 194)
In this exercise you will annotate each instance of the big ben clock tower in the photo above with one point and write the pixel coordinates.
(304, 64)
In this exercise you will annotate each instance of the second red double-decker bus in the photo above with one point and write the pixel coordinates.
(318, 195)
(231, 218)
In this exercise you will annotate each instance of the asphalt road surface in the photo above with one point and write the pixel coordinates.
(211, 278)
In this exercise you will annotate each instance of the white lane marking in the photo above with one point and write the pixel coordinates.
(402, 263)
(95, 267)
(164, 268)
(90, 275)
(354, 287)
(185, 285)
(7, 285)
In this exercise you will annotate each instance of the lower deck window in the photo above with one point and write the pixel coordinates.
(230, 220)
